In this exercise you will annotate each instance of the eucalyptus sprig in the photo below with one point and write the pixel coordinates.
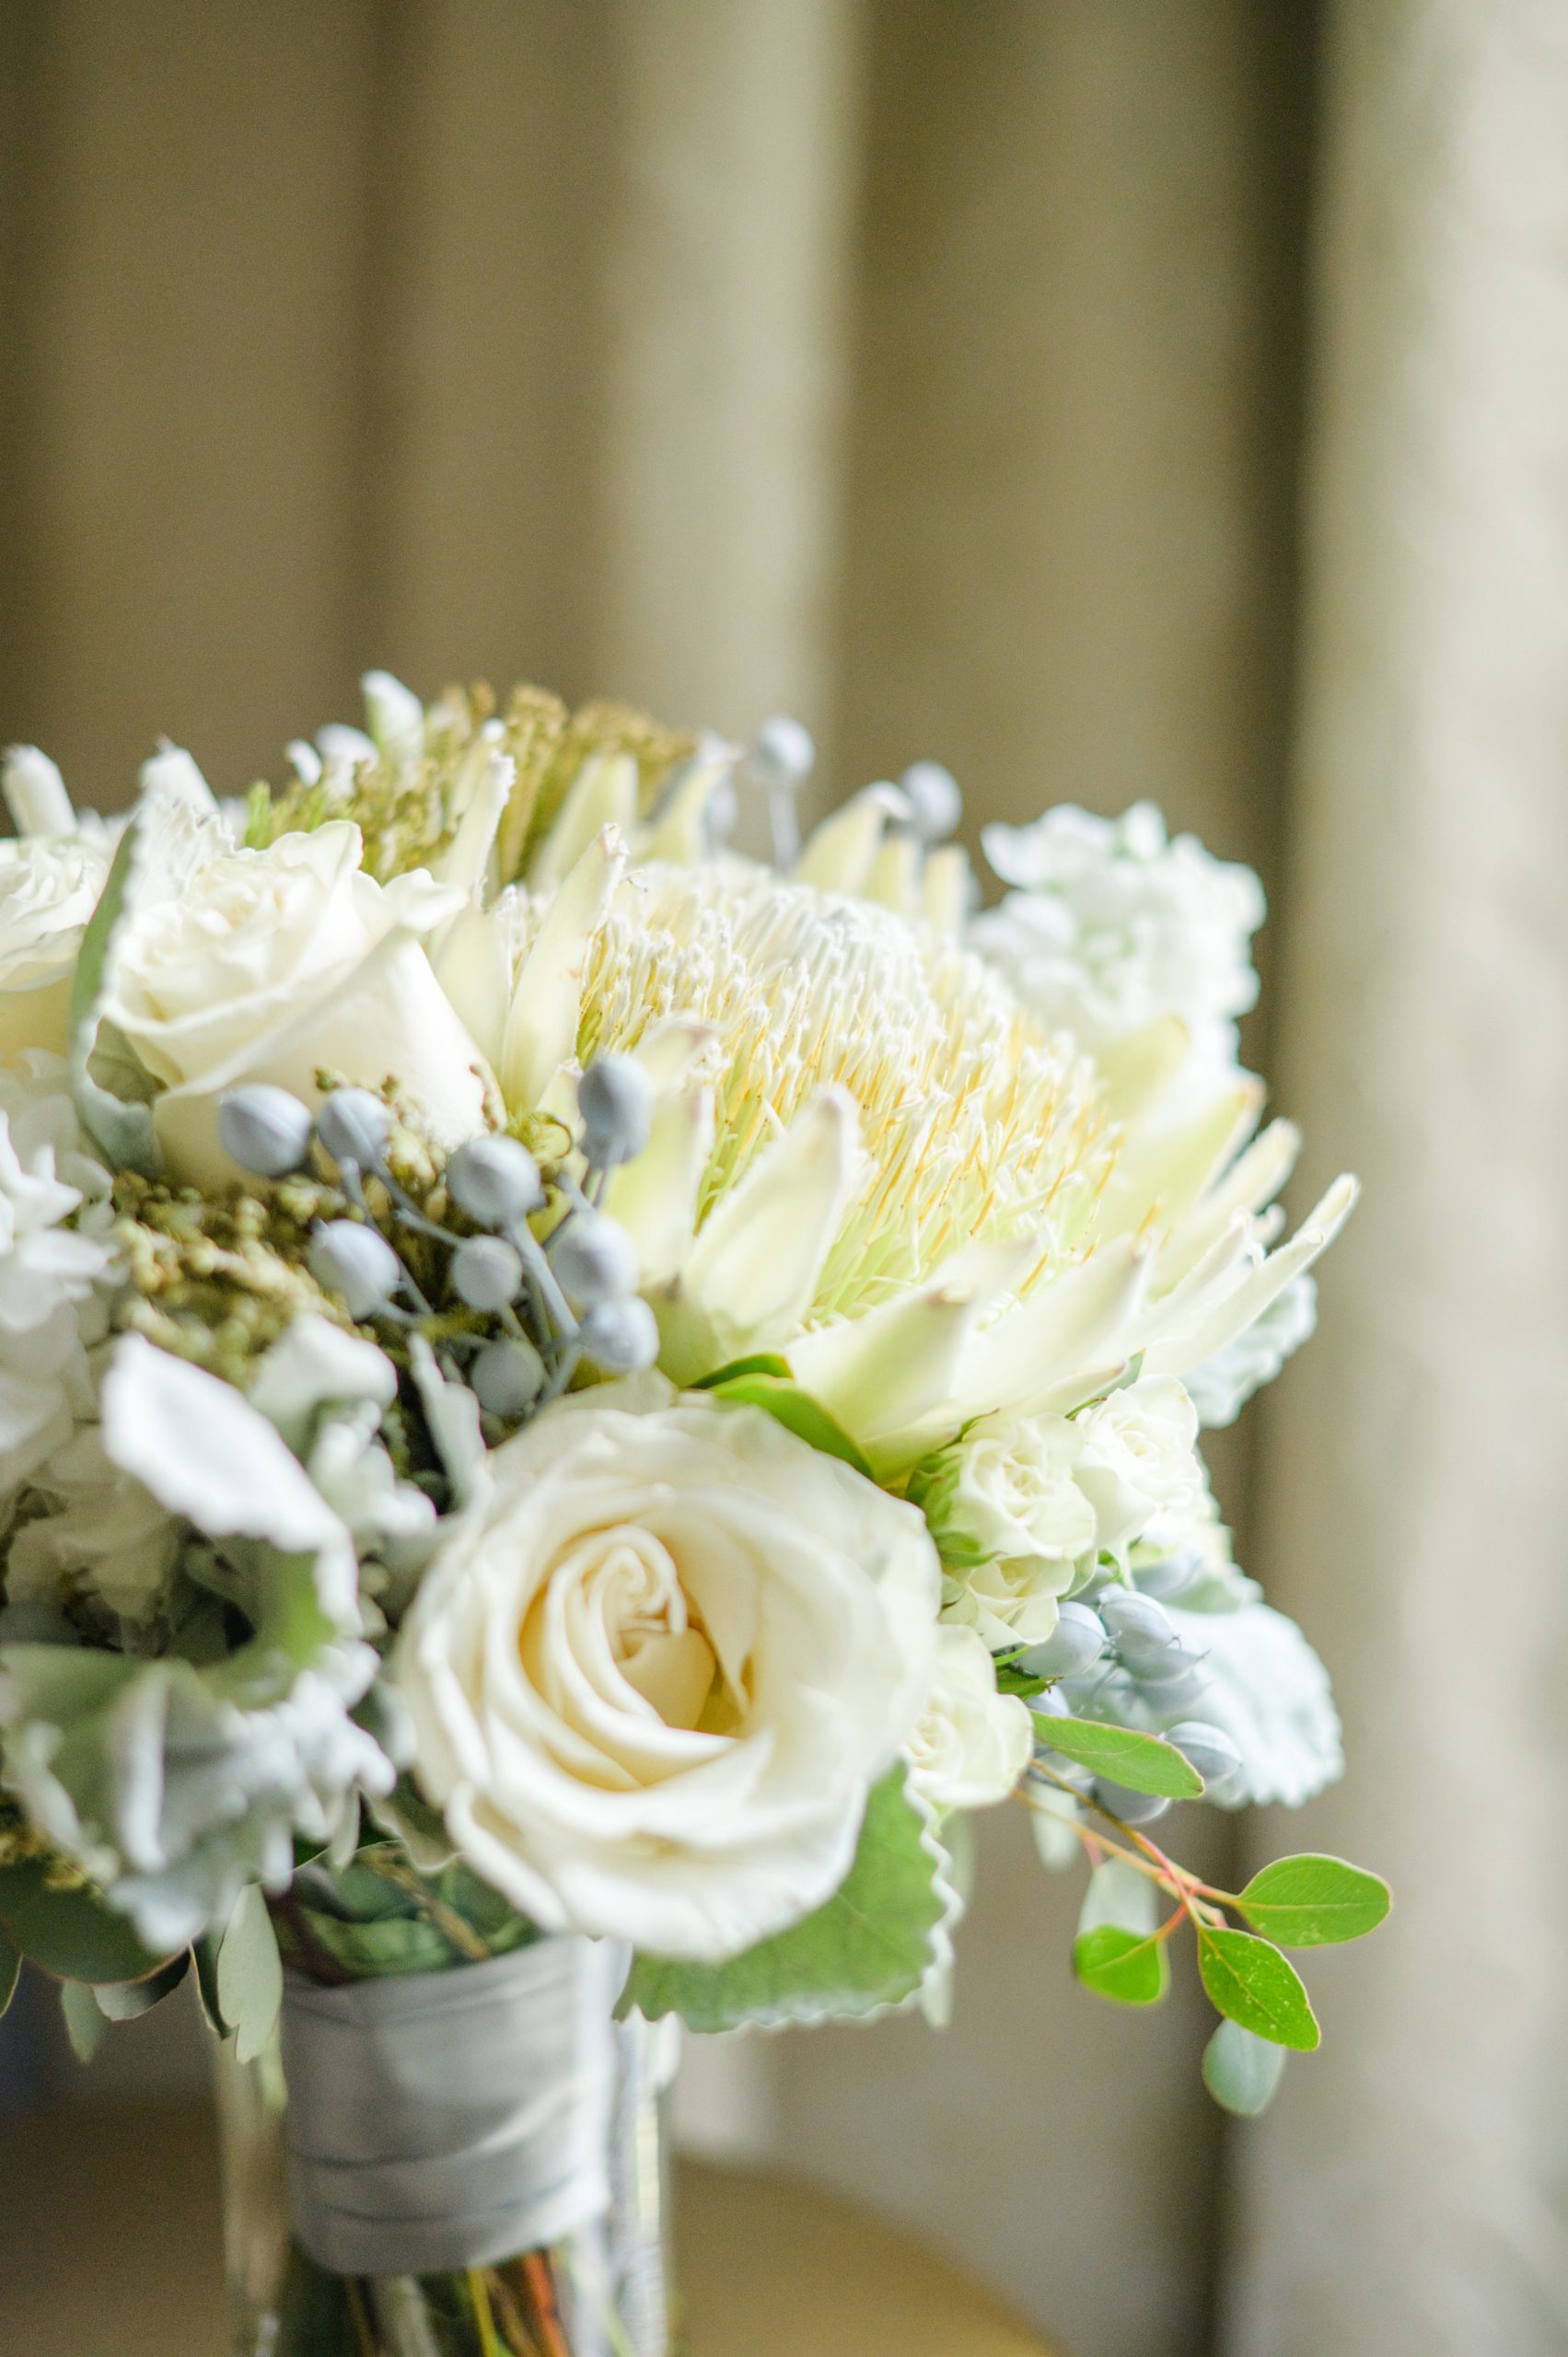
(1122, 1951)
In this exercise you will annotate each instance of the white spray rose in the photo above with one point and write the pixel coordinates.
(49, 887)
(653, 1673)
(268, 965)
(50, 1270)
(1140, 1468)
(1010, 1523)
(971, 1744)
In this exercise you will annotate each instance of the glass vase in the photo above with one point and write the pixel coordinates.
(335, 2206)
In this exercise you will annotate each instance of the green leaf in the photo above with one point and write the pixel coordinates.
(124, 1130)
(10, 1973)
(127, 2001)
(85, 2025)
(1251, 1983)
(1130, 1968)
(1144, 1763)
(72, 1934)
(1241, 2070)
(250, 1975)
(760, 1362)
(1011, 1679)
(790, 1405)
(869, 1948)
(1311, 1900)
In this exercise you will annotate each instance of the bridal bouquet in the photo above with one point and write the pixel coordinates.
(571, 1401)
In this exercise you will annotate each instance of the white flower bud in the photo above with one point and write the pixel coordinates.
(353, 1126)
(486, 1272)
(621, 1337)
(495, 1179)
(357, 1262)
(594, 1259)
(265, 1128)
(507, 1377)
(616, 1101)
(935, 803)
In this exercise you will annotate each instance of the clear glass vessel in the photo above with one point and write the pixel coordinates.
(603, 2289)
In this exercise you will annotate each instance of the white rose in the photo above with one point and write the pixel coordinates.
(1010, 1523)
(49, 887)
(653, 1672)
(268, 965)
(1140, 1466)
(971, 1744)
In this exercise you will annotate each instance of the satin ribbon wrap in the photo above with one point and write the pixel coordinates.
(440, 2120)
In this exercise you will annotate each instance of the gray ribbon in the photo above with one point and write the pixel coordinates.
(447, 2119)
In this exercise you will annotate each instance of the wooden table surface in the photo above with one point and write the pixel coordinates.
(109, 2248)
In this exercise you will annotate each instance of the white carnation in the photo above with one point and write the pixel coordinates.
(653, 1673)
(1112, 926)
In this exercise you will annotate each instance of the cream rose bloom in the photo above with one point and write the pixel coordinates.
(268, 965)
(971, 1744)
(655, 1672)
(49, 887)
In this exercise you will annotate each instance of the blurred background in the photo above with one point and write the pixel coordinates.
(1108, 398)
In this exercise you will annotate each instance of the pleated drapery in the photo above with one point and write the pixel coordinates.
(1110, 397)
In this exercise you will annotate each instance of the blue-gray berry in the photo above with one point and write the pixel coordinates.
(265, 1128)
(1133, 1808)
(486, 1272)
(1076, 1642)
(357, 1262)
(616, 1101)
(1207, 1748)
(1140, 1629)
(353, 1126)
(494, 1180)
(935, 803)
(507, 1379)
(594, 1259)
(781, 753)
(1171, 1576)
(621, 1337)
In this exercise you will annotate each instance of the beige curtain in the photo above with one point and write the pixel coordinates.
(937, 370)
(1408, 2193)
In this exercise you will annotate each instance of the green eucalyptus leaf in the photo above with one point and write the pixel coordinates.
(127, 2001)
(1241, 2070)
(869, 1948)
(10, 1973)
(1144, 1763)
(85, 2024)
(797, 1411)
(1311, 1900)
(1131, 1967)
(74, 1934)
(1251, 1983)
(250, 1974)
